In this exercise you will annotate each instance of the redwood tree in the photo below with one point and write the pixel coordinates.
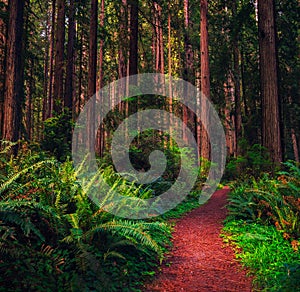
(92, 74)
(205, 75)
(14, 79)
(58, 87)
(269, 79)
(134, 22)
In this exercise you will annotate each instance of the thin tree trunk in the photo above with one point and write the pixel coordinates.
(29, 112)
(92, 74)
(295, 144)
(70, 58)
(58, 90)
(170, 73)
(134, 22)
(50, 106)
(46, 72)
(237, 87)
(69, 87)
(269, 80)
(100, 139)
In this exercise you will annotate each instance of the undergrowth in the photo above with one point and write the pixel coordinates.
(54, 238)
(264, 225)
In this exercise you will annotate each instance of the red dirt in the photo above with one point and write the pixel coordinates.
(199, 259)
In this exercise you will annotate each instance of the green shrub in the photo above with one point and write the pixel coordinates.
(269, 201)
(254, 162)
(269, 258)
(264, 225)
(53, 238)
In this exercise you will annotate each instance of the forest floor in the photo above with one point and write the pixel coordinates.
(199, 260)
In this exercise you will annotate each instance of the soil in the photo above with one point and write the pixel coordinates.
(199, 260)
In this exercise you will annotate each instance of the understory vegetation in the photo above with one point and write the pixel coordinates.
(264, 226)
(53, 238)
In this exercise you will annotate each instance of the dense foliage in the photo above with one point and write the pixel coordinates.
(53, 238)
(264, 225)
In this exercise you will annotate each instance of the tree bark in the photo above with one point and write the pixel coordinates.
(92, 74)
(133, 50)
(58, 87)
(3, 30)
(269, 80)
(205, 76)
(50, 101)
(70, 59)
(14, 81)
(237, 86)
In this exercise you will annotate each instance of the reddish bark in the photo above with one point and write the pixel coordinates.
(205, 77)
(14, 81)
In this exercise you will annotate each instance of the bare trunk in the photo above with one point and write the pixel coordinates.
(100, 133)
(295, 145)
(133, 53)
(50, 100)
(70, 58)
(29, 91)
(3, 29)
(269, 80)
(92, 74)
(205, 82)
(14, 80)
(46, 72)
(237, 87)
(58, 87)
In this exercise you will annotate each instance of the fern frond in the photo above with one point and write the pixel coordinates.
(130, 230)
(14, 177)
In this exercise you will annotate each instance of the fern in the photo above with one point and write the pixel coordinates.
(130, 230)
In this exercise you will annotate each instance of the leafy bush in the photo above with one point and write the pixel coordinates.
(268, 200)
(254, 163)
(264, 225)
(55, 139)
(53, 238)
(270, 258)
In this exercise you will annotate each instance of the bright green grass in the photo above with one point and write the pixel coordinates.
(267, 255)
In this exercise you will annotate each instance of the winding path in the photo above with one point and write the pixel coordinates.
(199, 260)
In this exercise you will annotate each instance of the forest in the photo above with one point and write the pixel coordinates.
(92, 194)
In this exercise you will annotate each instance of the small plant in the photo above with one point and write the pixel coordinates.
(263, 224)
(253, 163)
(267, 255)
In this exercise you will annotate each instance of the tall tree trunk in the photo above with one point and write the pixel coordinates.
(170, 73)
(58, 87)
(123, 49)
(92, 74)
(237, 86)
(100, 138)
(14, 80)
(3, 28)
(50, 100)
(101, 44)
(295, 144)
(205, 75)
(269, 80)
(46, 71)
(133, 50)
(29, 92)
(70, 59)
(69, 87)
(229, 122)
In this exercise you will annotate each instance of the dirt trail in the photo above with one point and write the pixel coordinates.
(199, 260)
